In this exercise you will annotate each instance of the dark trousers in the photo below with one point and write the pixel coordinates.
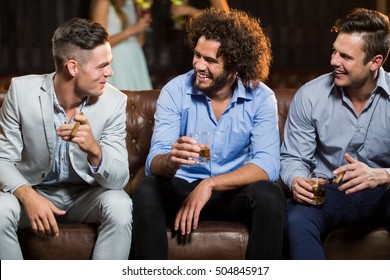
(261, 205)
(307, 226)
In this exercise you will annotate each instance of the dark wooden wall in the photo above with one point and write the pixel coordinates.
(26, 28)
(299, 31)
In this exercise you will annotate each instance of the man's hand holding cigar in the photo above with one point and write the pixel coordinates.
(75, 128)
(80, 132)
(356, 176)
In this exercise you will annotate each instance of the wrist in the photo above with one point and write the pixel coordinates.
(130, 31)
(95, 155)
(162, 165)
(170, 166)
(387, 176)
(211, 183)
(23, 193)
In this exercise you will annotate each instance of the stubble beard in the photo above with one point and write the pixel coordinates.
(218, 82)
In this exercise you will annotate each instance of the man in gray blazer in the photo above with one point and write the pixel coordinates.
(63, 153)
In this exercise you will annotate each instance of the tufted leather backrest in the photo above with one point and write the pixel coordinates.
(3, 92)
(141, 106)
(284, 97)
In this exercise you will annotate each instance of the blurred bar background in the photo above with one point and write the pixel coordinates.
(299, 31)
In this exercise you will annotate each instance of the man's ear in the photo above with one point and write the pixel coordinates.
(72, 67)
(376, 62)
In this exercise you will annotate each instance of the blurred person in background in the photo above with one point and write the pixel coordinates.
(182, 9)
(126, 25)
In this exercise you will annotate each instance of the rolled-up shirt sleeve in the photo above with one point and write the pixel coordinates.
(265, 140)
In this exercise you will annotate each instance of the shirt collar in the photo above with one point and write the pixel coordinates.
(383, 82)
(239, 91)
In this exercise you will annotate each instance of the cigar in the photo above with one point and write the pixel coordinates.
(338, 179)
(75, 128)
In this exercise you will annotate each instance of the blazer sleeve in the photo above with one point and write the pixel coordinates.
(113, 172)
(11, 143)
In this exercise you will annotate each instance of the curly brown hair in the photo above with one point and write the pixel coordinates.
(245, 48)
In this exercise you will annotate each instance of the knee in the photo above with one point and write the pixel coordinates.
(267, 192)
(293, 221)
(297, 220)
(117, 206)
(267, 200)
(147, 192)
(10, 210)
(147, 185)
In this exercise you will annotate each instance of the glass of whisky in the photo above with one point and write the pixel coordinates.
(203, 141)
(319, 183)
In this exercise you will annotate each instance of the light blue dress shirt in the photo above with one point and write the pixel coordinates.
(247, 131)
(322, 126)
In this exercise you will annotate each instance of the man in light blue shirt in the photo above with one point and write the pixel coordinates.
(223, 95)
(339, 123)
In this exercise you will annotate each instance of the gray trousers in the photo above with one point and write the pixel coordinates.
(110, 209)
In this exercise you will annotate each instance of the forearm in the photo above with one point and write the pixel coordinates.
(95, 155)
(24, 192)
(291, 168)
(220, 4)
(10, 177)
(100, 14)
(162, 165)
(123, 35)
(242, 176)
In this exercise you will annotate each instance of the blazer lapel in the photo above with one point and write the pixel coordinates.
(46, 103)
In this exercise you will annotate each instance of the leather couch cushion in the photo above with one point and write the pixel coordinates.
(358, 242)
(212, 240)
(75, 242)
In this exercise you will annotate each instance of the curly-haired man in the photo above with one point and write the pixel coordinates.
(223, 95)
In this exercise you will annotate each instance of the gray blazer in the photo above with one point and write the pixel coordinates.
(27, 135)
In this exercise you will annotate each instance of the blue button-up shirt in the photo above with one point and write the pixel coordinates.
(322, 126)
(247, 131)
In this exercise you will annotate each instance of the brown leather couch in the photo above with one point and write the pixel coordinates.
(212, 240)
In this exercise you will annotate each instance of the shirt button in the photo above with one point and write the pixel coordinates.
(218, 133)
